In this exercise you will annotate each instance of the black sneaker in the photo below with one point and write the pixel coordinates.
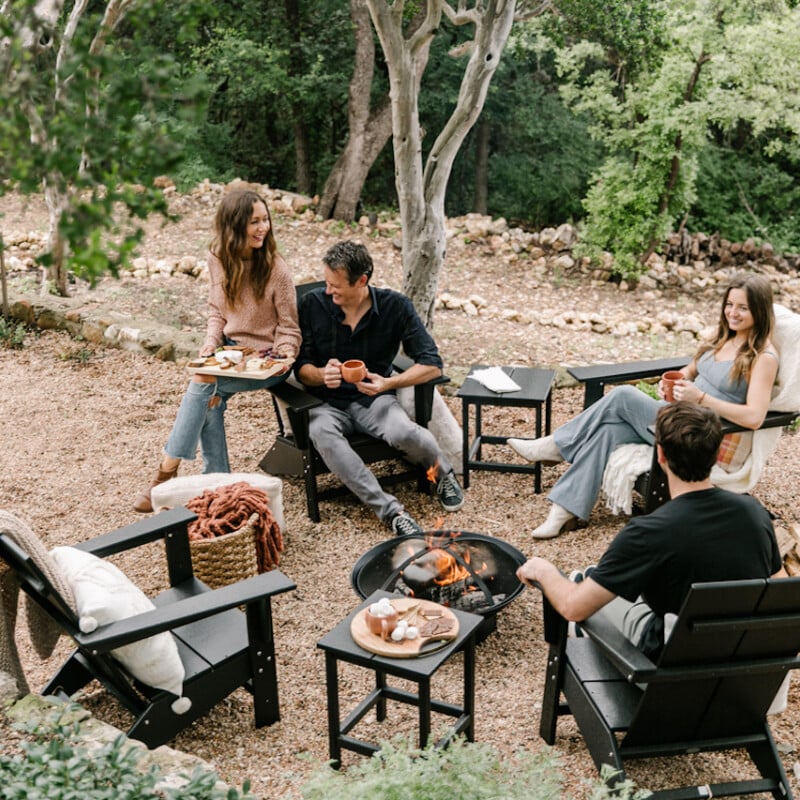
(451, 495)
(405, 525)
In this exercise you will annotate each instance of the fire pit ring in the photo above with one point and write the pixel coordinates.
(484, 568)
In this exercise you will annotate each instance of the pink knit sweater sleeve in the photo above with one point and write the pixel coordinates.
(215, 325)
(265, 322)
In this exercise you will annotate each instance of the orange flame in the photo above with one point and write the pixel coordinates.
(448, 569)
(433, 473)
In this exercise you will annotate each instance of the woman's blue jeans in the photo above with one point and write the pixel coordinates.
(197, 422)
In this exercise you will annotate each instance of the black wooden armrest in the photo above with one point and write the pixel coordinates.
(597, 376)
(160, 526)
(620, 651)
(190, 609)
(774, 419)
(296, 398)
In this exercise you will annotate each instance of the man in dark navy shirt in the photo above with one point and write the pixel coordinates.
(702, 534)
(349, 319)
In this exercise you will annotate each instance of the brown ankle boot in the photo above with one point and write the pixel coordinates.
(143, 503)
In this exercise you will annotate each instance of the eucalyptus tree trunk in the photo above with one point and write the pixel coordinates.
(369, 128)
(421, 190)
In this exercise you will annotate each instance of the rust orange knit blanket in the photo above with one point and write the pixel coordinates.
(228, 508)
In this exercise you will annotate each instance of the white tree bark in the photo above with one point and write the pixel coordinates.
(421, 189)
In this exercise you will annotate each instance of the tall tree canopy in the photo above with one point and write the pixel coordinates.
(84, 121)
(722, 64)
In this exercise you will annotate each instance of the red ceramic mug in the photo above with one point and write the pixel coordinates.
(354, 371)
(668, 383)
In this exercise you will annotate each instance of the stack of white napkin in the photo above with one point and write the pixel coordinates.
(495, 379)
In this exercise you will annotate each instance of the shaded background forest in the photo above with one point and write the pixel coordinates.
(277, 73)
(631, 118)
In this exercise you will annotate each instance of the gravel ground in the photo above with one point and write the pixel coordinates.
(82, 428)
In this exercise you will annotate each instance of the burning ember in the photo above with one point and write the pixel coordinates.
(446, 571)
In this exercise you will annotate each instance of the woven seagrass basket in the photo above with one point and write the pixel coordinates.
(228, 558)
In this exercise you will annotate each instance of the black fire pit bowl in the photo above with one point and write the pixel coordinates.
(403, 566)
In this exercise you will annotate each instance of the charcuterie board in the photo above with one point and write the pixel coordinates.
(248, 367)
(437, 626)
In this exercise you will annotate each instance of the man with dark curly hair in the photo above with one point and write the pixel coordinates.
(350, 319)
(702, 534)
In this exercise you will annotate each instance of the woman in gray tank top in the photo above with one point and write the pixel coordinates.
(733, 374)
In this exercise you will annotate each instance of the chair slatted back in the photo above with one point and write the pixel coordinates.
(726, 658)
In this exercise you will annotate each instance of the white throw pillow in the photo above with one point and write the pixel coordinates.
(103, 594)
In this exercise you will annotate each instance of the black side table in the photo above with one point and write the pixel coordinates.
(534, 393)
(339, 646)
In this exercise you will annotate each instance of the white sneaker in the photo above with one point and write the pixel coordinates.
(543, 449)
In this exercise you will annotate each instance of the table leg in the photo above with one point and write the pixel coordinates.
(478, 426)
(465, 443)
(332, 684)
(537, 472)
(424, 711)
(469, 687)
(380, 685)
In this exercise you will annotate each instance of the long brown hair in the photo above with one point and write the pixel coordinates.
(230, 238)
(759, 301)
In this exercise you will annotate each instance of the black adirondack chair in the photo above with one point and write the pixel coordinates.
(221, 647)
(730, 650)
(293, 454)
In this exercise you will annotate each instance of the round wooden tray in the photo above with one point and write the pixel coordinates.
(427, 612)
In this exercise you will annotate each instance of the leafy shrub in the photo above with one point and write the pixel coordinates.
(401, 772)
(54, 766)
(12, 334)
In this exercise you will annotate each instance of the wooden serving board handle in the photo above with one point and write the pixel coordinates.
(422, 645)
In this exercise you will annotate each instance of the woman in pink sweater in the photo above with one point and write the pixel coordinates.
(252, 302)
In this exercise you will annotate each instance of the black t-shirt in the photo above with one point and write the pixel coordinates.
(707, 535)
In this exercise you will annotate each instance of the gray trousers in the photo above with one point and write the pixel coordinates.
(384, 419)
(630, 618)
(621, 417)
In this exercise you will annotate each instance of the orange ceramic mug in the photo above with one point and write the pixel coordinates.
(668, 383)
(354, 371)
(381, 625)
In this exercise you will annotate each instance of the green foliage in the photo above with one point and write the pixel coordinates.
(95, 125)
(541, 154)
(740, 193)
(12, 334)
(263, 79)
(650, 389)
(55, 766)
(723, 64)
(400, 771)
(622, 212)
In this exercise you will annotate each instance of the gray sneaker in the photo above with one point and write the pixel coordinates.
(451, 495)
(405, 525)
